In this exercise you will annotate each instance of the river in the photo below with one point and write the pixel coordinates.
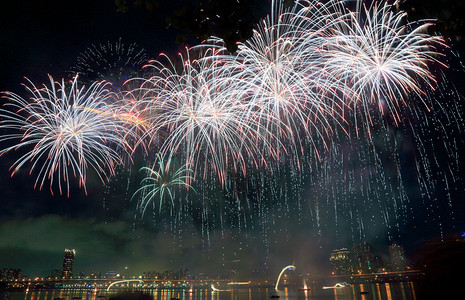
(379, 291)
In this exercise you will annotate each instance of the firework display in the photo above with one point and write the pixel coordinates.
(312, 79)
(161, 180)
(64, 131)
(112, 61)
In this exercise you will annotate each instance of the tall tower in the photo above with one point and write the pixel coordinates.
(68, 261)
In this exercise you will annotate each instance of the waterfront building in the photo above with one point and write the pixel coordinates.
(55, 274)
(111, 275)
(95, 275)
(397, 257)
(364, 259)
(10, 274)
(68, 261)
(168, 275)
(151, 275)
(182, 274)
(341, 263)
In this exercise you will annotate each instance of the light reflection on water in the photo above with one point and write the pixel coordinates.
(378, 291)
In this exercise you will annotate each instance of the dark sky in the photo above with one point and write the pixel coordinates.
(45, 37)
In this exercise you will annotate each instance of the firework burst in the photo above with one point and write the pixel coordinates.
(279, 79)
(161, 182)
(308, 79)
(111, 61)
(381, 58)
(193, 102)
(66, 134)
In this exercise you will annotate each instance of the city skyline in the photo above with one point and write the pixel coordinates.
(345, 261)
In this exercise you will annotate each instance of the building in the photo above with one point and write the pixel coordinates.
(397, 257)
(10, 274)
(364, 259)
(341, 263)
(151, 275)
(55, 274)
(68, 261)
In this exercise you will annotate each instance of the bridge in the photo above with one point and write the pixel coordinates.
(391, 276)
(107, 283)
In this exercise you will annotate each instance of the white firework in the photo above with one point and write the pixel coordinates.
(64, 130)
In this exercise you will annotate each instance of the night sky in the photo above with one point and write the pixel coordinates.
(299, 218)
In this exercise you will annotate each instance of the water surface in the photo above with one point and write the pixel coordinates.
(379, 291)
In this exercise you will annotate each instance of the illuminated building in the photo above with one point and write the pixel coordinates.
(10, 274)
(68, 260)
(340, 262)
(364, 259)
(397, 257)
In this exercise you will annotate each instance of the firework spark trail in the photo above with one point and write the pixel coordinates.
(304, 73)
(117, 63)
(382, 58)
(312, 77)
(66, 139)
(276, 73)
(161, 180)
(205, 123)
(111, 61)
